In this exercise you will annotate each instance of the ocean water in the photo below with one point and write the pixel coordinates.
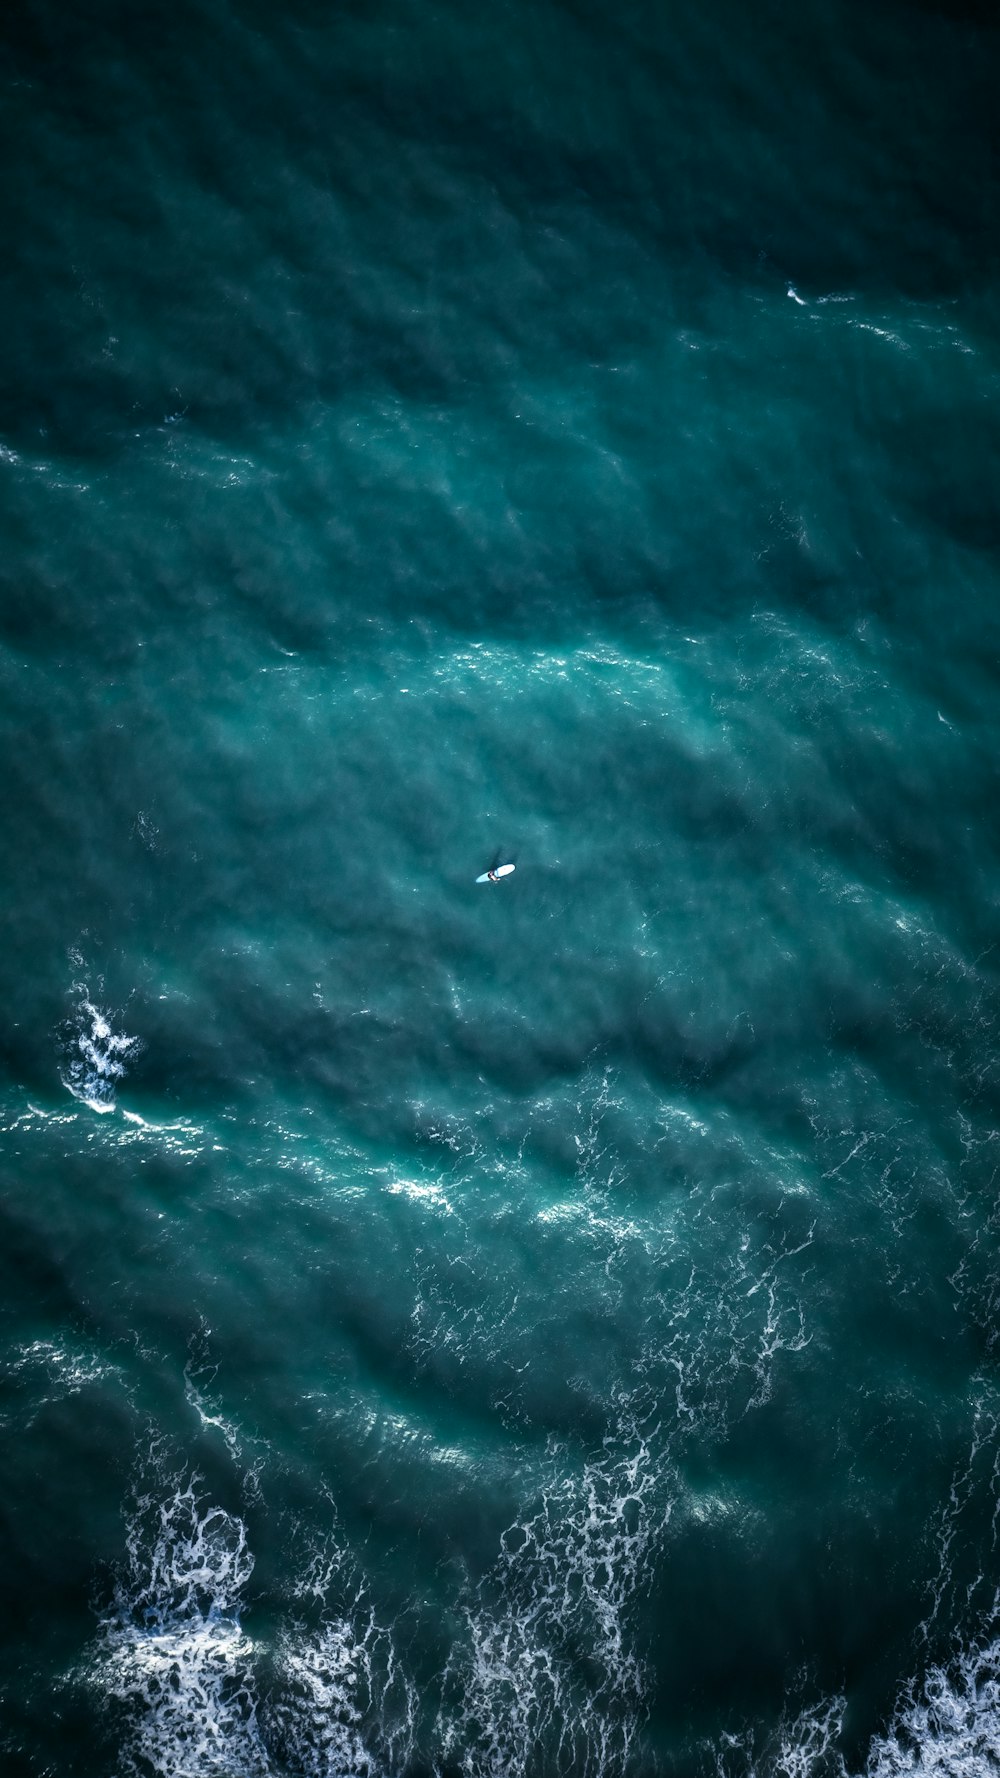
(544, 1329)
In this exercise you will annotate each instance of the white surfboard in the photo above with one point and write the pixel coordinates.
(502, 870)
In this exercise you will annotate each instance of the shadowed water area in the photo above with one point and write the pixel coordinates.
(543, 1330)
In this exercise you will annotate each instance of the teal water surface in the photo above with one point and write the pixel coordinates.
(546, 1328)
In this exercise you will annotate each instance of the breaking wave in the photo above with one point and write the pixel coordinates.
(95, 1054)
(173, 1655)
(198, 1697)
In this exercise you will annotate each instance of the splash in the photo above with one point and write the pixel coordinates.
(96, 1054)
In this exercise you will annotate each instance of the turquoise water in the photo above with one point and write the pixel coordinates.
(546, 1328)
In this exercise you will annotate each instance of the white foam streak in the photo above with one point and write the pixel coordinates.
(199, 1374)
(807, 1746)
(340, 1687)
(559, 1594)
(428, 1193)
(52, 1371)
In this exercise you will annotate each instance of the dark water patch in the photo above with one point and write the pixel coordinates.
(242, 272)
